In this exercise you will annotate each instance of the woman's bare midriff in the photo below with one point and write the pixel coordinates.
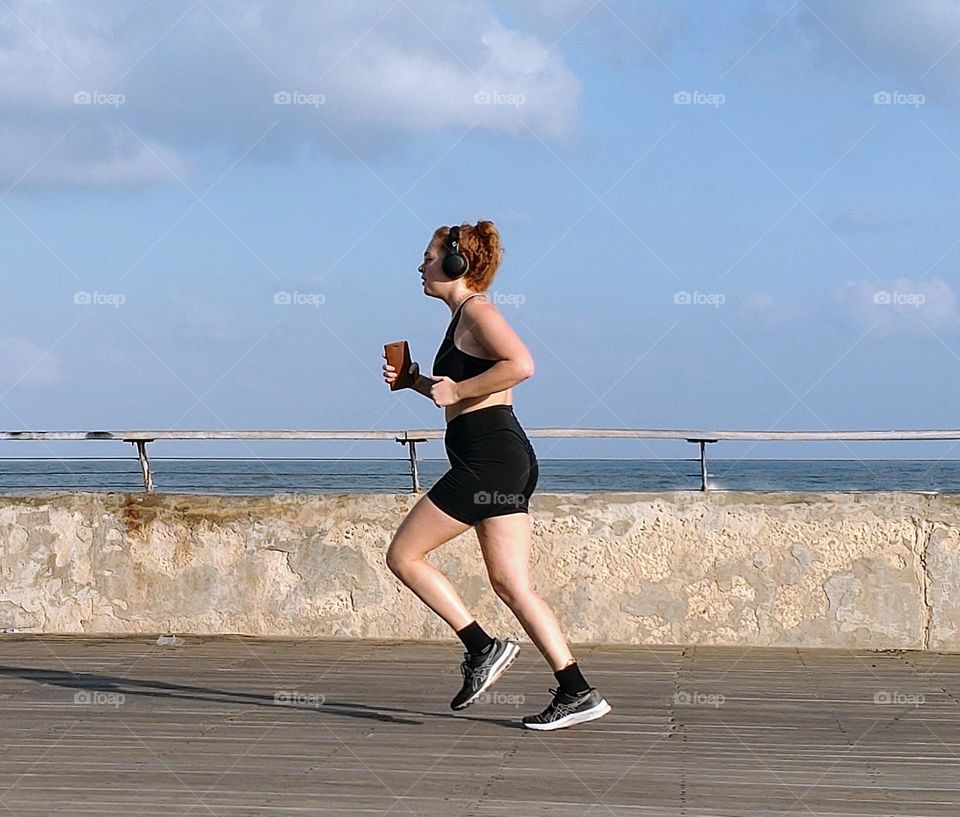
(500, 398)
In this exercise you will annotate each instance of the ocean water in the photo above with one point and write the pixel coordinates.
(269, 476)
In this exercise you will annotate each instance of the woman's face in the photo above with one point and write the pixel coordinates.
(431, 270)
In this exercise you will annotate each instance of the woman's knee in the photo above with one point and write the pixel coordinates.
(510, 590)
(396, 560)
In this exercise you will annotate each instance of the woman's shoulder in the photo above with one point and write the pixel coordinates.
(483, 316)
(479, 303)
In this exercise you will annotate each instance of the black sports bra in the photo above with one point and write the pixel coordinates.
(454, 362)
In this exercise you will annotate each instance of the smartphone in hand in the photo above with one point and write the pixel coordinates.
(398, 356)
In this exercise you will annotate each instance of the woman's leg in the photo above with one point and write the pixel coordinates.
(505, 542)
(424, 529)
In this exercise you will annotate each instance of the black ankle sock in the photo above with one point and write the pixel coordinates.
(474, 638)
(571, 680)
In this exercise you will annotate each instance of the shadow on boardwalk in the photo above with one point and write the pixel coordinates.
(235, 726)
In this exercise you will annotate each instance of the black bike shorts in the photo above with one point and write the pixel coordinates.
(493, 468)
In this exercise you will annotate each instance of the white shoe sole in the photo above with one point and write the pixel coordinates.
(591, 714)
(500, 667)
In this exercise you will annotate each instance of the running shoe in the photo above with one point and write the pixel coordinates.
(481, 671)
(566, 710)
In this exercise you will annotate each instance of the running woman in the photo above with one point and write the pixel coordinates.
(493, 472)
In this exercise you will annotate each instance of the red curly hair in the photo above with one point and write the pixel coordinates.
(480, 244)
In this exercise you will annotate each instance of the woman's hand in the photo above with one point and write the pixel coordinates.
(442, 390)
(390, 372)
(445, 392)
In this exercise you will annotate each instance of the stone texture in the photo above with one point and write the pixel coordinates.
(869, 571)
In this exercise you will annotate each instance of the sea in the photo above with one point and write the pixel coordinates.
(270, 476)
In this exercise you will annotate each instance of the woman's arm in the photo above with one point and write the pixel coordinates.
(491, 330)
(504, 374)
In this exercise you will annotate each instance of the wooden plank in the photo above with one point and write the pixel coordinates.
(119, 725)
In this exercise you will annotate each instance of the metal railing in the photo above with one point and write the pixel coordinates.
(410, 438)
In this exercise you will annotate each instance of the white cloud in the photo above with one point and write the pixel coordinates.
(22, 362)
(862, 221)
(908, 43)
(616, 32)
(195, 76)
(898, 303)
(761, 309)
(893, 305)
(759, 301)
(203, 322)
(101, 155)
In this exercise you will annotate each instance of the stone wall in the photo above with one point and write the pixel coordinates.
(871, 570)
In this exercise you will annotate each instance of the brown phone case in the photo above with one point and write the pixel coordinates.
(398, 356)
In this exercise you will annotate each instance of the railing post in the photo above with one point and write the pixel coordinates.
(703, 466)
(703, 461)
(414, 471)
(145, 468)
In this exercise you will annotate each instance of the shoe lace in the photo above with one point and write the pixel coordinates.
(556, 708)
(473, 675)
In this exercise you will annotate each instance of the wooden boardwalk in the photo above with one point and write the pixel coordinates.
(234, 726)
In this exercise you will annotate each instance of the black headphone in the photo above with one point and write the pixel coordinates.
(455, 263)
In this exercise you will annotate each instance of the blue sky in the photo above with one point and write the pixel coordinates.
(738, 215)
